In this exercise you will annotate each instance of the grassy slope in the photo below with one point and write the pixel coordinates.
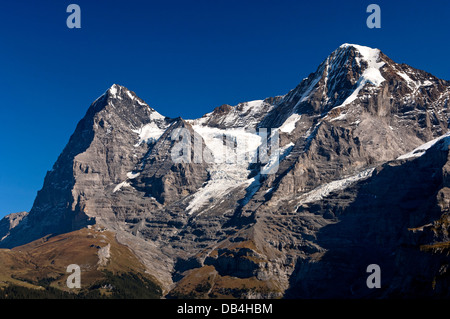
(42, 265)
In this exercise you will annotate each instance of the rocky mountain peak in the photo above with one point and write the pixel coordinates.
(339, 79)
(114, 89)
(348, 54)
(117, 90)
(357, 50)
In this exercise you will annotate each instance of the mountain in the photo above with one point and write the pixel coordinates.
(289, 196)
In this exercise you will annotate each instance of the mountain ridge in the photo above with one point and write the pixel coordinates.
(224, 216)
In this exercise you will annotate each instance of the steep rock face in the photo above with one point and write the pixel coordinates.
(170, 170)
(358, 110)
(337, 199)
(9, 222)
(105, 146)
(376, 221)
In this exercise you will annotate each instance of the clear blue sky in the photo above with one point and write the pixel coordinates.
(182, 57)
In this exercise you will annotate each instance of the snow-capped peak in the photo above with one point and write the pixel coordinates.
(113, 90)
(344, 73)
(372, 72)
(119, 92)
(361, 48)
(370, 56)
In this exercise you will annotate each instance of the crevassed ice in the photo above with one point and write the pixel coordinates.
(324, 190)
(229, 168)
(247, 142)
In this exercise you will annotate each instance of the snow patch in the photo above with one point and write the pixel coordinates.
(324, 190)
(119, 186)
(229, 167)
(113, 90)
(414, 84)
(289, 125)
(132, 175)
(371, 74)
(275, 158)
(247, 142)
(104, 254)
(252, 105)
(408, 80)
(155, 115)
(130, 95)
(308, 91)
(149, 133)
(419, 151)
(342, 116)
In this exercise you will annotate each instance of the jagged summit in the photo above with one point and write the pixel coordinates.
(117, 90)
(112, 92)
(354, 51)
(344, 73)
(125, 103)
(349, 78)
(338, 81)
(120, 92)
